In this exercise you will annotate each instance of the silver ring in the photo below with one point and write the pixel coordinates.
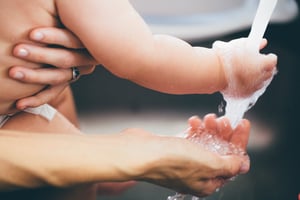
(75, 74)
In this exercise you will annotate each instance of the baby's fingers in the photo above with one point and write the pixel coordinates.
(269, 61)
(263, 43)
(41, 98)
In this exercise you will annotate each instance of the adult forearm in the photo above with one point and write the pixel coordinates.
(34, 160)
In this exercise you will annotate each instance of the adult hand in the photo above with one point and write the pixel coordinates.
(64, 50)
(221, 130)
(185, 166)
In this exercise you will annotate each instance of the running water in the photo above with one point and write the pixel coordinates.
(236, 107)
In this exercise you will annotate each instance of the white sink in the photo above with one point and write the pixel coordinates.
(202, 19)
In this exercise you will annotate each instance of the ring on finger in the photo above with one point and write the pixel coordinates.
(75, 74)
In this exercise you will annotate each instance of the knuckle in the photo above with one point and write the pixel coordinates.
(88, 69)
(60, 78)
(57, 81)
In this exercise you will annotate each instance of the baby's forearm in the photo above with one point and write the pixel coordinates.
(170, 65)
(178, 68)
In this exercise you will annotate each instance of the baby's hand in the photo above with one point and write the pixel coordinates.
(245, 68)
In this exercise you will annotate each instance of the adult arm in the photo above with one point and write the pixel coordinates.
(31, 160)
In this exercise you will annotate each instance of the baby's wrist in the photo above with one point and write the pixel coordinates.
(222, 57)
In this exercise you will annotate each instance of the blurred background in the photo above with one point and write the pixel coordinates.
(107, 104)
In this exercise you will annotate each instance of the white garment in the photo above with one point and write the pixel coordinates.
(45, 111)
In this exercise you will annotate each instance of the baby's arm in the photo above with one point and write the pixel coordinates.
(118, 38)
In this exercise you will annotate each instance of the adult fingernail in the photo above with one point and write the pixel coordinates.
(22, 52)
(18, 75)
(37, 36)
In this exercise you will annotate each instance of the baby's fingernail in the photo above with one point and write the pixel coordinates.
(22, 52)
(37, 36)
(18, 75)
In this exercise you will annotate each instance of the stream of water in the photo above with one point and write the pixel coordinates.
(236, 107)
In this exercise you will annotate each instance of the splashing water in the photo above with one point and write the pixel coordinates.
(179, 196)
(236, 107)
(215, 144)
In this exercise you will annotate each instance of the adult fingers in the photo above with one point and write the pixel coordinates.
(232, 165)
(194, 122)
(228, 167)
(240, 137)
(206, 187)
(41, 98)
(210, 123)
(224, 128)
(46, 76)
(58, 36)
(59, 57)
(194, 125)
